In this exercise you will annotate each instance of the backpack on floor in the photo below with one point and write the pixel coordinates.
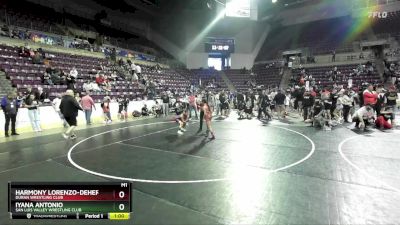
(136, 113)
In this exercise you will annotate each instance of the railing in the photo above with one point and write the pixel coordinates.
(327, 59)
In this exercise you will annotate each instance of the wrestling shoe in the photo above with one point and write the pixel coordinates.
(180, 132)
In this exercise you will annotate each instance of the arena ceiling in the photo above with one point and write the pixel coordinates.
(167, 6)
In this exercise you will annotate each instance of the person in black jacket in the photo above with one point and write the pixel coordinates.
(279, 100)
(317, 117)
(308, 102)
(123, 103)
(10, 106)
(264, 103)
(70, 80)
(165, 105)
(69, 108)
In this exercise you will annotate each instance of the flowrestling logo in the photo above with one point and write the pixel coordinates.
(376, 14)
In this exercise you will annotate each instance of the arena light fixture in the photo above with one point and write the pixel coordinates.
(274, 1)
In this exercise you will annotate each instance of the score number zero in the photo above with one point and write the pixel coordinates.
(121, 195)
(121, 207)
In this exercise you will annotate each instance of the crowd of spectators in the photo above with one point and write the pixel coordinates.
(391, 73)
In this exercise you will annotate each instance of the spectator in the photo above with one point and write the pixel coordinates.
(338, 111)
(37, 58)
(145, 110)
(138, 70)
(100, 80)
(69, 108)
(107, 84)
(5, 31)
(87, 106)
(43, 95)
(279, 100)
(95, 87)
(32, 104)
(223, 103)
(70, 80)
(263, 104)
(121, 62)
(30, 91)
(113, 76)
(113, 56)
(391, 101)
(370, 96)
(210, 100)
(105, 105)
(393, 75)
(157, 109)
(333, 56)
(308, 102)
(87, 87)
(165, 99)
(347, 104)
(317, 116)
(380, 102)
(133, 68)
(77, 97)
(10, 106)
(74, 73)
(14, 33)
(54, 75)
(23, 52)
(135, 78)
(123, 103)
(47, 79)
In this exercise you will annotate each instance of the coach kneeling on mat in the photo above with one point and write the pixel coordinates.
(69, 108)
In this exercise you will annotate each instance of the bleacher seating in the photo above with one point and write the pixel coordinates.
(322, 79)
(23, 18)
(172, 79)
(267, 75)
(321, 37)
(388, 25)
(207, 76)
(241, 79)
(23, 74)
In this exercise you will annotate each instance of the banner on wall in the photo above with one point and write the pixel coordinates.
(131, 54)
(45, 39)
(145, 57)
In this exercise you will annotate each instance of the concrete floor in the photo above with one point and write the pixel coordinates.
(253, 173)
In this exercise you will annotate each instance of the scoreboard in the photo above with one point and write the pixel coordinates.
(238, 8)
(220, 45)
(109, 200)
